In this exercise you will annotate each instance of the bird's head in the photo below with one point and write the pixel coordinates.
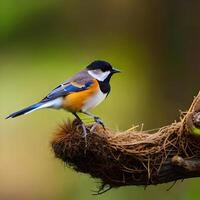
(101, 70)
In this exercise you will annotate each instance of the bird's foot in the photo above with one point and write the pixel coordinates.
(80, 123)
(84, 133)
(84, 130)
(93, 127)
(99, 121)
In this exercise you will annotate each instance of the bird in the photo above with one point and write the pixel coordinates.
(79, 94)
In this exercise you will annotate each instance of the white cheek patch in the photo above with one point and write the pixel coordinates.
(100, 76)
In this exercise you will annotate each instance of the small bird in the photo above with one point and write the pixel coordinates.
(78, 94)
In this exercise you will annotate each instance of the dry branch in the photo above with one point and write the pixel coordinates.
(134, 157)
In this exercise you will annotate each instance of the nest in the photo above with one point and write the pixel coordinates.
(133, 157)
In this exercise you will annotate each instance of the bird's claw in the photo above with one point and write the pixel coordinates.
(99, 121)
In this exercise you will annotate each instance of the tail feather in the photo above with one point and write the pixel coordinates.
(25, 110)
(55, 103)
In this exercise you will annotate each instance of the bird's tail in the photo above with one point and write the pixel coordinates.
(56, 103)
(26, 110)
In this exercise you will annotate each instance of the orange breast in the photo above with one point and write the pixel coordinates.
(75, 101)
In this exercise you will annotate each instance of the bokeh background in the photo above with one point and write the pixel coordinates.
(42, 43)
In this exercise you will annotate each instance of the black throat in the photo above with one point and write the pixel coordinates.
(105, 85)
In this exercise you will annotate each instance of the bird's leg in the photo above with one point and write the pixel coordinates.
(96, 118)
(82, 125)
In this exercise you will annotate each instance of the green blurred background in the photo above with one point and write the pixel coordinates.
(42, 43)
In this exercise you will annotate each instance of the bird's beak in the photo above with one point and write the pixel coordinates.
(114, 70)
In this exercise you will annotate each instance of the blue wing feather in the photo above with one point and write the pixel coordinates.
(74, 88)
(88, 84)
(64, 90)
